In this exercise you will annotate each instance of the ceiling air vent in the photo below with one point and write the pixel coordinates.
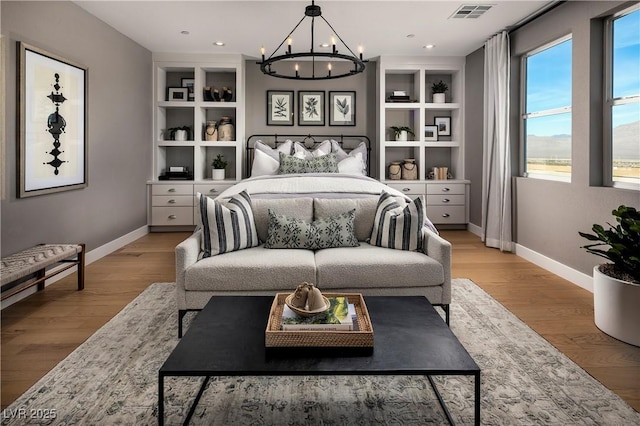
(470, 11)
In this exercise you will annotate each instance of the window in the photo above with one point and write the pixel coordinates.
(546, 115)
(622, 92)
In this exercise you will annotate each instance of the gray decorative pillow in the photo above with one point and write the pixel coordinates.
(333, 231)
(290, 164)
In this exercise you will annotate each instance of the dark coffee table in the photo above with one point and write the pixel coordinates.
(227, 339)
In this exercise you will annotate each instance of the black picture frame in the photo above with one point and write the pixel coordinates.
(311, 108)
(53, 123)
(430, 133)
(444, 125)
(342, 108)
(280, 107)
(189, 83)
(177, 94)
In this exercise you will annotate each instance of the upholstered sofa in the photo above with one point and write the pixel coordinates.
(366, 269)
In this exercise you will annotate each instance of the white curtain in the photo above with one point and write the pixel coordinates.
(496, 174)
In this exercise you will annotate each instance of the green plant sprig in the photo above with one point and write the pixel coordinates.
(219, 162)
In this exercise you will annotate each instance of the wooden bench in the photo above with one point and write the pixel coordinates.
(27, 268)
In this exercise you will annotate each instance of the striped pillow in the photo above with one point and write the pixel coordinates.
(227, 227)
(398, 227)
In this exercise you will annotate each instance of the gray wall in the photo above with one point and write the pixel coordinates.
(550, 214)
(473, 114)
(119, 123)
(363, 84)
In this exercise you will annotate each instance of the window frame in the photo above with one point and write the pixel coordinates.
(610, 102)
(524, 115)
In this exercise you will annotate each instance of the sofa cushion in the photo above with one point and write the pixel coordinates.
(326, 232)
(256, 268)
(301, 208)
(369, 266)
(398, 226)
(365, 211)
(226, 227)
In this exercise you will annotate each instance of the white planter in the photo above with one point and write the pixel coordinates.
(616, 306)
(402, 136)
(181, 135)
(438, 98)
(217, 174)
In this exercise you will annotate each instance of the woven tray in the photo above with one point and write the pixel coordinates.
(361, 338)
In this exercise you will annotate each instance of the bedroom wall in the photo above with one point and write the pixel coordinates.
(119, 123)
(363, 84)
(550, 214)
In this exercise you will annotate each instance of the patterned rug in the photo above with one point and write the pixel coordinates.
(112, 379)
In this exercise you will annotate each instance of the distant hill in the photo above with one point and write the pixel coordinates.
(627, 137)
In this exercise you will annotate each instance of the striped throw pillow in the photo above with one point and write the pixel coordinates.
(396, 226)
(226, 228)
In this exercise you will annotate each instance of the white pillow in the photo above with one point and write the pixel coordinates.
(300, 151)
(341, 154)
(266, 160)
(352, 165)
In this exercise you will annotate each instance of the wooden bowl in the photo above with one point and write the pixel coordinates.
(304, 312)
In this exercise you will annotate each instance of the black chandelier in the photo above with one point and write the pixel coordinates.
(312, 11)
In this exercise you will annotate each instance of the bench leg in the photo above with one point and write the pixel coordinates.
(39, 275)
(81, 260)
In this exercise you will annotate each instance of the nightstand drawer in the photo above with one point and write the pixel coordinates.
(445, 188)
(171, 189)
(212, 190)
(446, 214)
(171, 200)
(445, 199)
(161, 216)
(410, 189)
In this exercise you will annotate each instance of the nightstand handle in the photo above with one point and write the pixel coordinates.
(172, 216)
(213, 190)
(406, 189)
(171, 190)
(171, 201)
(446, 215)
(446, 189)
(445, 200)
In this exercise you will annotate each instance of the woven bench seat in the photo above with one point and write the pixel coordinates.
(28, 267)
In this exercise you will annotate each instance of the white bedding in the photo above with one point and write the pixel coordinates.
(314, 185)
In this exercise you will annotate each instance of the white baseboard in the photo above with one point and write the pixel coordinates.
(90, 257)
(576, 277)
(474, 229)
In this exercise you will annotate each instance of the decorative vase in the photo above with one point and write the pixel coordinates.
(395, 170)
(226, 131)
(438, 98)
(217, 174)
(615, 307)
(211, 132)
(402, 136)
(181, 135)
(409, 169)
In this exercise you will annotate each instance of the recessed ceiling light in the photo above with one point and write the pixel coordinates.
(429, 46)
(184, 32)
(219, 43)
(325, 45)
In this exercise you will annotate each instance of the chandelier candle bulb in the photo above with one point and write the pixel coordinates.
(262, 52)
(297, 73)
(360, 50)
(329, 66)
(289, 41)
(333, 43)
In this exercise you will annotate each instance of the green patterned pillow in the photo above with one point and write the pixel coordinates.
(290, 232)
(290, 164)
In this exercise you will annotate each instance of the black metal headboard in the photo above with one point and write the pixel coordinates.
(347, 142)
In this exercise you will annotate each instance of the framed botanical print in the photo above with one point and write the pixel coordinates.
(342, 108)
(52, 103)
(280, 105)
(310, 108)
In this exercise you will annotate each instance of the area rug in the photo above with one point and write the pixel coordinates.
(112, 379)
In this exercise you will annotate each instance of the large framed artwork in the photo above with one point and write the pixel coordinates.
(280, 107)
(310, 108)
(342, 108)
(52, 102)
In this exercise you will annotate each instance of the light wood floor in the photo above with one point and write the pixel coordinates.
(41, 330)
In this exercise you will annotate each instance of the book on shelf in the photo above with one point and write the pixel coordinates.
(341, 316)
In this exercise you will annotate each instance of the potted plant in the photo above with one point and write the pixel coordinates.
(219, 164)
(439, 89)
(616, 285)
(401, 132)
(179, 133)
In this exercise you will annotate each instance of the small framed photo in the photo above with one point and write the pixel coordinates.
(430, 133)
(177, 93)
(443, 124)
(342, 108)
(311, 108)
(280, 107)
(189, 83)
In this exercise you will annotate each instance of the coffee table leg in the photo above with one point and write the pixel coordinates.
(160, 399)
(441, 401)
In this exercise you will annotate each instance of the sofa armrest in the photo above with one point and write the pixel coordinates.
(186, 255)
(439, 249)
